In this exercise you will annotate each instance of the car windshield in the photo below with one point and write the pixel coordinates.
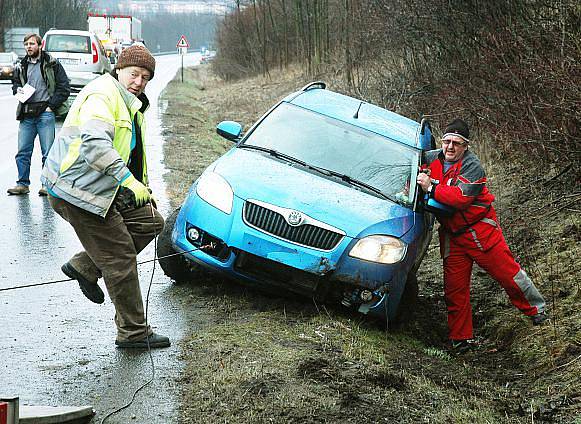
(68, 43)
(341, 148)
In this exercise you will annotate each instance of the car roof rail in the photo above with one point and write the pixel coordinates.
(315, 84)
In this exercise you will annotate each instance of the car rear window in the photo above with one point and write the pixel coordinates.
(68, 43)
(6, 58)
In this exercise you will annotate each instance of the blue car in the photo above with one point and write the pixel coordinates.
(317, 198)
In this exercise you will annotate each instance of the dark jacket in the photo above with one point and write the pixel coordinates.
(53, 74)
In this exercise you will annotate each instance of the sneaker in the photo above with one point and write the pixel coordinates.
(18, 189)
(540, 318)
(155, 341)
(90, 289)
(42, 192)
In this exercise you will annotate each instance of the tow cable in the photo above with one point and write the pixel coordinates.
(157, 258)
(154, 260)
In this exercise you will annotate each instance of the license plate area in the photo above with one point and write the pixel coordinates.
(67, 61)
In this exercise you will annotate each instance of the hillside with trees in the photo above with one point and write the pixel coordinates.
(44, 14)
(512, 68)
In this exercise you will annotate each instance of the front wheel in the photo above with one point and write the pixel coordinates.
(174, 265)
(408, 300)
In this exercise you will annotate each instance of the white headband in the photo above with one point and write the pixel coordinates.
(457, 135)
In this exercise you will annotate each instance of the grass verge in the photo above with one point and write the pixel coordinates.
(275, 359)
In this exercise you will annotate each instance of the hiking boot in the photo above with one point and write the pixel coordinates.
(540, 318)
(459, 346)
(42, 192)
(18, 189)
(90, 289)
(155, 341)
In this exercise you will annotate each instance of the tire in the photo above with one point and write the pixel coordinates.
(409, 298)
(175, 267)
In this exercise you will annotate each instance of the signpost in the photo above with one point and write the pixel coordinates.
(182, 47)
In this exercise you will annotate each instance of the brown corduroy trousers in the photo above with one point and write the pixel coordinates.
(111, 246)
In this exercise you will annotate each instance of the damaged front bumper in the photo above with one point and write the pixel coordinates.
(250, 255)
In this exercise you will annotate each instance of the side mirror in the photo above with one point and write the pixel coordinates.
(230, 130)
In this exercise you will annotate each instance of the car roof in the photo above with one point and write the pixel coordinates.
(68, 31)
(370, 117)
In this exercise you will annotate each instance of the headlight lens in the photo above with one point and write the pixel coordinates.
(381, 249)
(215, 190)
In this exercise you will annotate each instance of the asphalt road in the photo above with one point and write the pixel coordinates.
(56, 347)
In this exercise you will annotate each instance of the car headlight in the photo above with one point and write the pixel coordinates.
(382, 249)
(215, 190)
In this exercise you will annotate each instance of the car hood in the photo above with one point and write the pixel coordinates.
(252, 175)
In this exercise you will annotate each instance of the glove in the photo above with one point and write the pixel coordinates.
(141, 192)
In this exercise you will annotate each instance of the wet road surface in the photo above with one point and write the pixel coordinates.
(56, 347)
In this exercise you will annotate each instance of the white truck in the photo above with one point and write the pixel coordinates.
(115, 30)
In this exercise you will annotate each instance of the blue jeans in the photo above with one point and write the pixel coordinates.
(44, 126)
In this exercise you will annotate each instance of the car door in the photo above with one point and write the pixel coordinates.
(426, 142)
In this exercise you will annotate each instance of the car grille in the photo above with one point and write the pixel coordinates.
(276, 275)
(274, 223)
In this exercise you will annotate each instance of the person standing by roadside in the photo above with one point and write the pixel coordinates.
(96, 177)
(37, 114)
(471, 233)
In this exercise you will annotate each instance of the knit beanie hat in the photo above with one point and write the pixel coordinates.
(458, 128)
(136, 56)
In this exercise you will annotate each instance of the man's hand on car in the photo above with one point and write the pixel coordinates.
(424, 181)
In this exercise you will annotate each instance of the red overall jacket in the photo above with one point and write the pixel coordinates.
(474, 222)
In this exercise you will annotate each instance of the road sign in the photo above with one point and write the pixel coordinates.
(183, 50)
(183, 42)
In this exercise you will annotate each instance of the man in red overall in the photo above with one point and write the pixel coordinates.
(471, 233)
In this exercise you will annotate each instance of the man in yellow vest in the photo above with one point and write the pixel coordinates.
(96, 177)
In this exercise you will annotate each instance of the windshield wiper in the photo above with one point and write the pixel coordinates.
(319, 169)
(274, 153)
(350, 180)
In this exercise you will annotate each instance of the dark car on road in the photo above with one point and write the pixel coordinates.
(317, 198)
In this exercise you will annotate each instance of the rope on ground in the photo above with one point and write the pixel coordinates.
(71, 279)
(148, 382)
(567, 364)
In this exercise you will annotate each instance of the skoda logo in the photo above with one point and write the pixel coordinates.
(295, 218)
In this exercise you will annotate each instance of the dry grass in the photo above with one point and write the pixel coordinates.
(264, 359)
(293, 364)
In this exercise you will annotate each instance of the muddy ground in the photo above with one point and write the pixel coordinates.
(271, 358)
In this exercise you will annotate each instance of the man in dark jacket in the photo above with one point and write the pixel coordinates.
(37, 114)
(471, 234)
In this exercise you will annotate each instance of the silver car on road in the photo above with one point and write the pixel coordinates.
(81, 53)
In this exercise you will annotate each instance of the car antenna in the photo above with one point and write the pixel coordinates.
(357, 113)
